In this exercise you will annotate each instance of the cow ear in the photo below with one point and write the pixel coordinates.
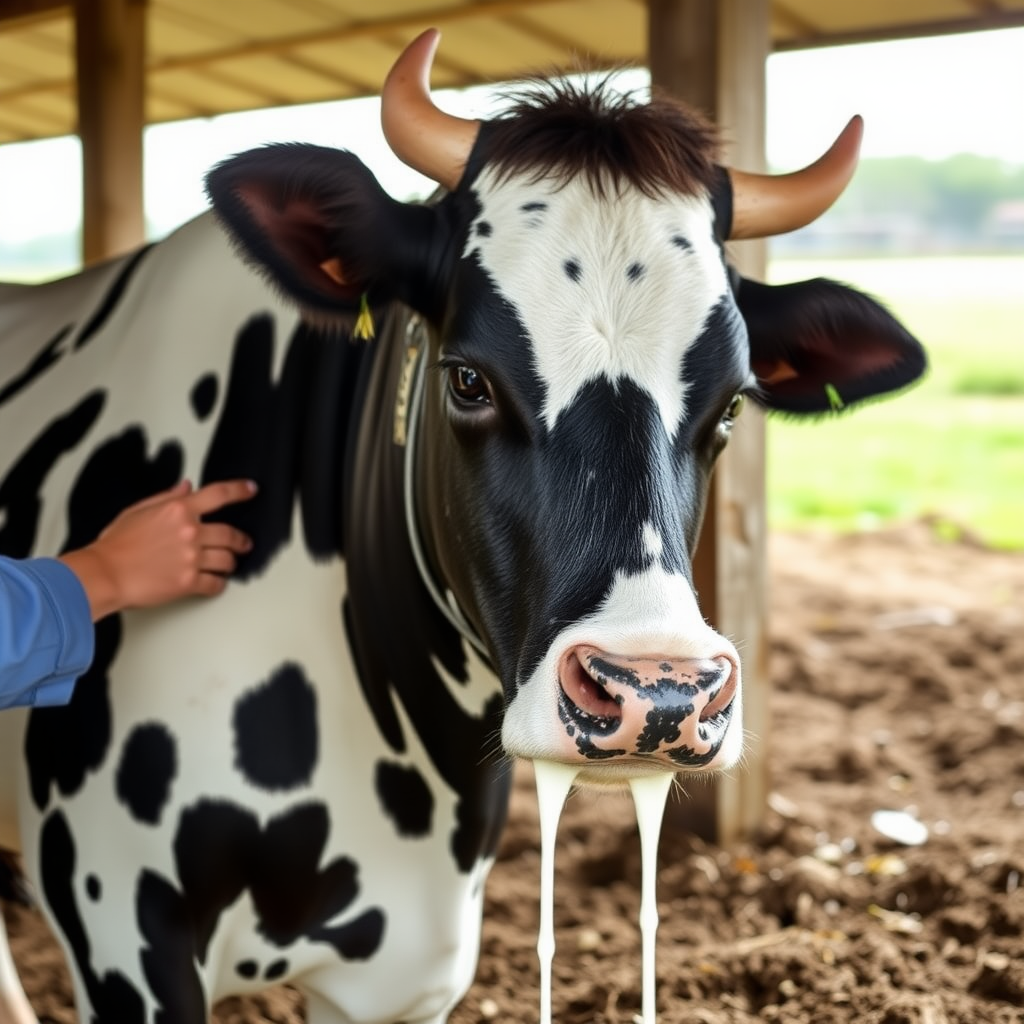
(318, 224)
(818, 346)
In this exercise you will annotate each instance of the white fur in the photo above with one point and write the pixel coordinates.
(604, 324)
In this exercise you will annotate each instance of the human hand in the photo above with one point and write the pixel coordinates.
(159, 549)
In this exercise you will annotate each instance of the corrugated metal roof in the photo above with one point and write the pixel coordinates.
(213, 57)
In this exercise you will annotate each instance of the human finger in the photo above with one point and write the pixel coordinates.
(221, 535)
(217, 495)
(209, 584)
(216, 560)
(179, 490)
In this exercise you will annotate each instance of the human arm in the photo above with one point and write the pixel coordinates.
(153, 552)
(160, 549)
(46, 634)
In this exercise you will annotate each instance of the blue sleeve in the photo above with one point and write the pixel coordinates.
(46, 632)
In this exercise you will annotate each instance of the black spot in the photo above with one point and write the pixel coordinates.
(93, 889)
(484, 229)
(19, 490)
(110, 300)
(46, 358)
(276, 735)
(357, 940)
(405, 798)
(687, 757)
(246, 968)
(278, 969)
(204, 395)
(63, 743)
(118, 474)
(288, 431)
(112, 997)
(169, 955)
(635, 271)
(609, 671)
(293, 896)
(662, 726)
(148, 766)
(214, 844)
(221, 851)
(573, 270)
(680, 242)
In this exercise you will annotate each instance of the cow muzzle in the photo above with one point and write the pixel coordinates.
(669, 712)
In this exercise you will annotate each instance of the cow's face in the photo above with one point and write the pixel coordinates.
(588, 358)
(586, 377)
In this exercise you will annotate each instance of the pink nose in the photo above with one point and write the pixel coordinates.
(673, 710)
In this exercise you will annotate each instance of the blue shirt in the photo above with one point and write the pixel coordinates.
(46, 632)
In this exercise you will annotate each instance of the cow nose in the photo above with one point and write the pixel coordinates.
(675, 710)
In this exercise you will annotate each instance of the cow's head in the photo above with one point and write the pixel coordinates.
(589, 353)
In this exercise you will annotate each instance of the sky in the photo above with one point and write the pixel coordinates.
(928, 97)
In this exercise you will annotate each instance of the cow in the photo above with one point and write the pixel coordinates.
(472, 539)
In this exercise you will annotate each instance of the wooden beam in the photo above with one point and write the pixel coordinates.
(110, 53)
(980, 22)
(712, 53)
(793, 24)
(18, 13)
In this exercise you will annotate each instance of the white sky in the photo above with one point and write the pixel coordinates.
(929, 97)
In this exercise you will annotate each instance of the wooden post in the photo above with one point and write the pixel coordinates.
(110, 56)
(712, 54)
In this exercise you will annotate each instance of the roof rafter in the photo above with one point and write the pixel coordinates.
(18, 13)
(911, 30)
(354, 30)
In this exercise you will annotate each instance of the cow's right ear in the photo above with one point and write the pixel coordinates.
(318, 224)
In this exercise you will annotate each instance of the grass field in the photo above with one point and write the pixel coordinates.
(952, 448)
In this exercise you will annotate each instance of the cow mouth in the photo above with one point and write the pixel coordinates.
(584, 701)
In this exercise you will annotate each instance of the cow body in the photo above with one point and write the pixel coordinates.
(478, 525)
(198, 766)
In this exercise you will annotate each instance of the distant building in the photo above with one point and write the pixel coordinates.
(1005, 224)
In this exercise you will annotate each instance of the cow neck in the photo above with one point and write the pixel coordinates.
(445, 600)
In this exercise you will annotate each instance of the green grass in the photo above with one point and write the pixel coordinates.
(951, 449)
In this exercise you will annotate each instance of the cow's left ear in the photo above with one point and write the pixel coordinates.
(318, 224)
(817, 346)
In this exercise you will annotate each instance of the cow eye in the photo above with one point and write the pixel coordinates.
(468, 386)
(733, 409)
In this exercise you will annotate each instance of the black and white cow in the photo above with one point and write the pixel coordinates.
(473, 533)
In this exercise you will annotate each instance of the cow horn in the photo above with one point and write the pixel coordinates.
(768, 204)
(427, 139)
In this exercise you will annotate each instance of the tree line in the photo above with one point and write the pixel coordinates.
(965, 201)
(899, 204)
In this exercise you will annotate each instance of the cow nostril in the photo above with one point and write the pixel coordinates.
(722, 694)
(585, 693)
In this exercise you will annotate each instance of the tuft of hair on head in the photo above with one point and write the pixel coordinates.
(571, 127)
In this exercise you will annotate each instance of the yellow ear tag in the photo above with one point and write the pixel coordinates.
(364, 322)
(834, 400)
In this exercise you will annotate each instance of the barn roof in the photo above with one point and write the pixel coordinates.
(209, 58)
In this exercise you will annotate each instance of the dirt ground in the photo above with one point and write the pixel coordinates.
(898, 668)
